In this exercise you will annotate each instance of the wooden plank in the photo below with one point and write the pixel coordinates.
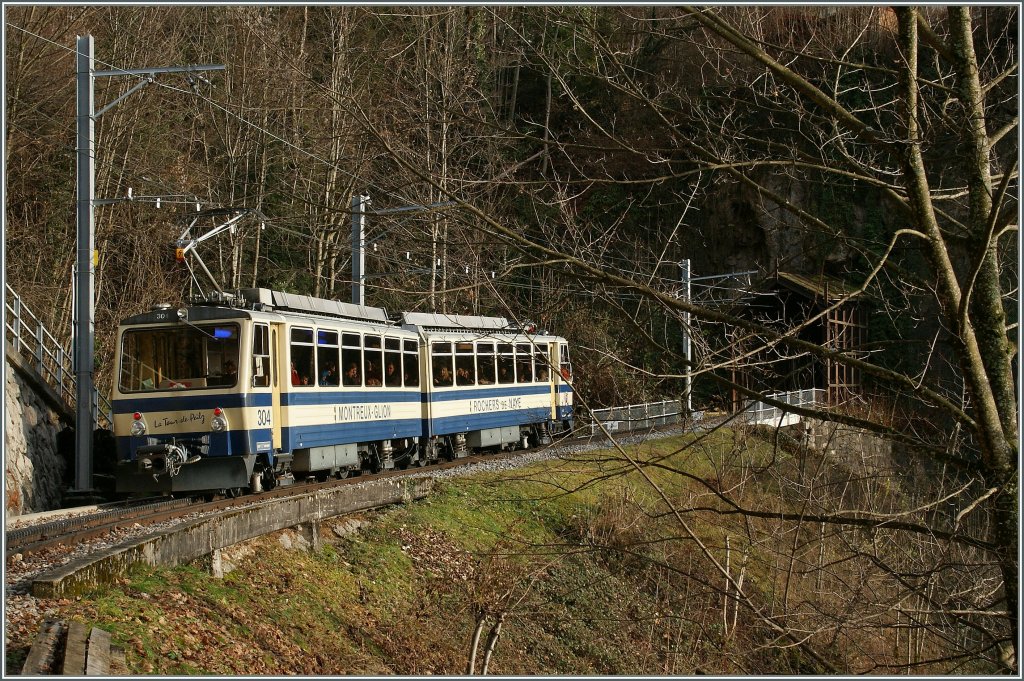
(74, 651)
(43, 653)
(118, 665)
(97, 659)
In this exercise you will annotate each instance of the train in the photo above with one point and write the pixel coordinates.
(243, 391)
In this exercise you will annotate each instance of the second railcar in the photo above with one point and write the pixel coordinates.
(488, 385)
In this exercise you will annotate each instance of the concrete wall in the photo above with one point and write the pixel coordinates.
(861, 451)
(33, 468)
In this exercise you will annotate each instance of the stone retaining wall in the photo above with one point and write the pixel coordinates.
(33, 467)
(861, 451)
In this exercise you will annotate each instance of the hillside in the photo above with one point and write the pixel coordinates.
(576, 558)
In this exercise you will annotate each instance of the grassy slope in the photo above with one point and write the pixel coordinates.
(554, 546)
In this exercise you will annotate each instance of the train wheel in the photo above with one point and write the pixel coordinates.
(419, 461)
(342, 474)
(234, 492)
(322, 476)
(269, 479)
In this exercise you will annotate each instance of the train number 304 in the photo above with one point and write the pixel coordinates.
(263, 417)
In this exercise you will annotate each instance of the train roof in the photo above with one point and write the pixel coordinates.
(243, 303)
(268, 299)
(429, 321)
(437, 324)
(261, 302)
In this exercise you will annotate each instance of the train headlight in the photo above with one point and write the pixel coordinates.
(138, 427)
(219, 422)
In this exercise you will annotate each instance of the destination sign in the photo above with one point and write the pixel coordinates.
(348, 413)
(495, 404)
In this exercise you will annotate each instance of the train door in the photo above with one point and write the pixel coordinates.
(277, 382)
(553, 360)
(426, 389)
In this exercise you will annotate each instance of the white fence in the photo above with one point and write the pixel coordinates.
(651, 414)
(760, 413)
(637, 416)
(28, 337)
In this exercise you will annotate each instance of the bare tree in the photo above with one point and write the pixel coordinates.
(588, 149)
(828, 112)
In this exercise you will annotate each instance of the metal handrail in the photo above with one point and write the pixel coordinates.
(757, 412)
(54, 364)
(625, 415)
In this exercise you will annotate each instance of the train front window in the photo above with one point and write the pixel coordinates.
(182, 357)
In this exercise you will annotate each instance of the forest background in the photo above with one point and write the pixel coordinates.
(572, 158)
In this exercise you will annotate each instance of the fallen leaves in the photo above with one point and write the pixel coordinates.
(435, 554)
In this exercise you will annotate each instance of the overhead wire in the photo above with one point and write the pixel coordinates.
(668, 282)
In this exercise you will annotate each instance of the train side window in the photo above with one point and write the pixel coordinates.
(411, 370)
(260, 356)
(303, 369)
(540, 359)
(327, 357)
(373, 359)
(524, 363)
(485, 363)
(506, 365)
(465, 372)
(392, 363)
(351, 359)
(441, 361)
(565, 364)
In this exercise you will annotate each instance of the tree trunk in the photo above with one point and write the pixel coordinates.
(474, 643)
(492, 642)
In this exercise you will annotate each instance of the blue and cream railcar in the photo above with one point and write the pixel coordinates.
(246, 392)
(487, 385)
(352, 399)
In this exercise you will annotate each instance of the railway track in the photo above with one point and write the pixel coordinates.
(34, 538)
(76, 529)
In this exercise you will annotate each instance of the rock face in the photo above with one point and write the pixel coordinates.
(862, 452)
(739, 229)
(33, 468)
